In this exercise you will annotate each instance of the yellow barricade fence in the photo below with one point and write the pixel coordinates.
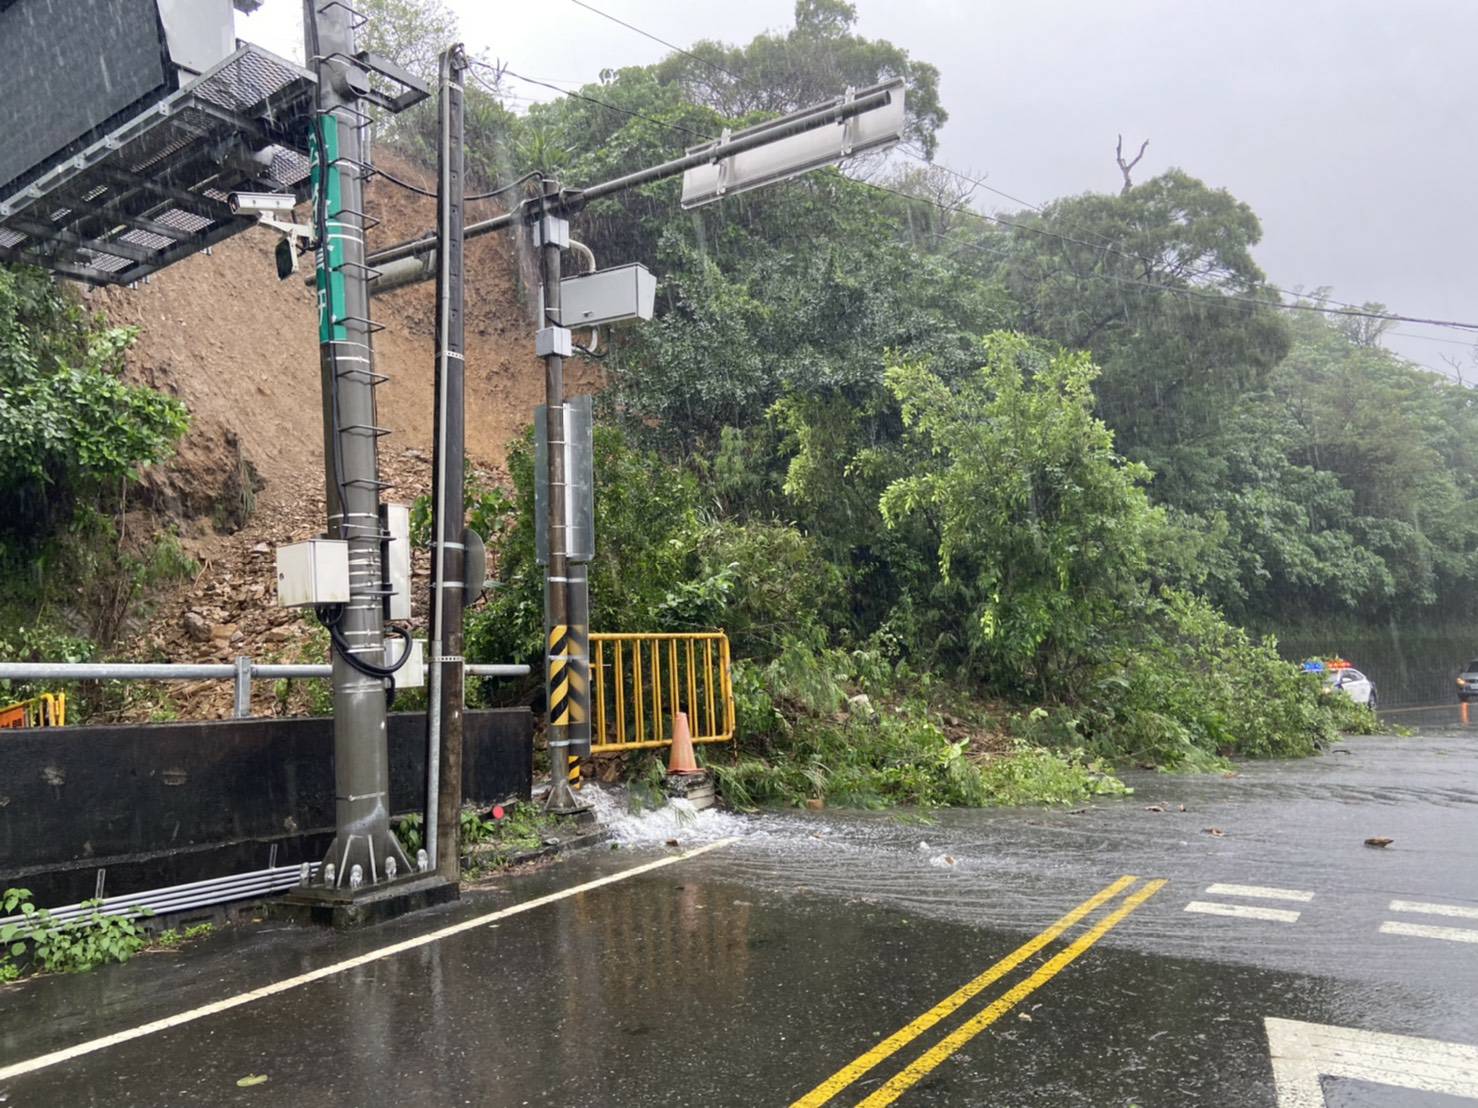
(640, 680)
(46, 710)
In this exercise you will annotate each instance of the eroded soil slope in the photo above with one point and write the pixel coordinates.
(240, 348)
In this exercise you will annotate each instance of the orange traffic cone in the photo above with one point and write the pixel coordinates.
(681, 759)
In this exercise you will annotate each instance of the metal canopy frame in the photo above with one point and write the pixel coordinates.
(154, 191)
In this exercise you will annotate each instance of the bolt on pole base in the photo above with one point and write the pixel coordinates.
(363, 861)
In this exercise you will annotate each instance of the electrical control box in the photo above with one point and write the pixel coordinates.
(412, 675)
(607, 295)
(395, 560)
(312, 573)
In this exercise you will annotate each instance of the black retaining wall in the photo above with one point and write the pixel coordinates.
(162, 804)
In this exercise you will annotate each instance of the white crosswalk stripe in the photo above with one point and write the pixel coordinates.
(1243, 911)
(1260, 892)
(1428, 931)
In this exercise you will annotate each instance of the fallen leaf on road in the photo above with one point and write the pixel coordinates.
(1378, 841)
(1023, 1016)
(1153, 808)
(1078, 811)
(1217, 831)
(252, 1079)
(1182, 808)
(671, 842)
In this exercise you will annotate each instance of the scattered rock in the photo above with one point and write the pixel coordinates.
(815, 804)
(196, 626)
(861, 705)
(262, 548)
(1153, 808)
(1378, 840)
(223, 631)
(1216, 832)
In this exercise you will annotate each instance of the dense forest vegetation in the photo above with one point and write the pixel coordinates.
(1020, 479)
(1051, 458)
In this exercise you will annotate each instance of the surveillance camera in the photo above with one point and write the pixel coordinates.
(261, 203)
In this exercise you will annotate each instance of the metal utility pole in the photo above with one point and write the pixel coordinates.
(364, 851)
(553, 344)
(445, 706)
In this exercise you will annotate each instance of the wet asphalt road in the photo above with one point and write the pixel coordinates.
(755, 971)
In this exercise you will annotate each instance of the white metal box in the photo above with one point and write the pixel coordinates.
(412, 675)
(607, 295)
(396, 560)
(313, 572)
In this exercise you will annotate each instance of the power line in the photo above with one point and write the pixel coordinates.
(1201, 294)
(588, 100)
(1433, 338)
(1115, 249)
(1346, 309)
(670, 45)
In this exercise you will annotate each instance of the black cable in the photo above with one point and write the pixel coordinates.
(394, 180)
(501, 189)
(419, 191)
(330, 614)
(590, 100)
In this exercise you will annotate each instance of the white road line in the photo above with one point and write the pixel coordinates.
(44, 1060)
(1263, 892)
(1427, 931)
(1304, 1052)
(1245, 911)
(1434, 909)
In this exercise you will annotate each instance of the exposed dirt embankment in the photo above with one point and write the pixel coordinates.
(240, 349)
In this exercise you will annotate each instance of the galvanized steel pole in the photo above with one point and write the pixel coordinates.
(363, 841)
(553, 344)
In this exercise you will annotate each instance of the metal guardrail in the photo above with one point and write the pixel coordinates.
(242, 672)
(46, 710)
(639, 680)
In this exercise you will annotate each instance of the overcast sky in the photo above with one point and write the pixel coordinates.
(1345, 124)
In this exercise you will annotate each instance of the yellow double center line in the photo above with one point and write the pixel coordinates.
(925, 1063)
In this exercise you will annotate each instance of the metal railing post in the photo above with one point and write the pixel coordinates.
(243, 686)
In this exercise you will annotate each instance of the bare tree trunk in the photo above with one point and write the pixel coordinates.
(1123, 168)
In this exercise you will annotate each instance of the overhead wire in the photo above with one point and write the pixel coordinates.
(590, 100)
(670, 45)
(1343, 307)
(1115, 248)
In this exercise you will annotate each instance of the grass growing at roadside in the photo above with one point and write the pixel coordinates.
(498, 842)
(848, 730)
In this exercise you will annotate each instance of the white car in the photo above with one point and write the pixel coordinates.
(1354, 684)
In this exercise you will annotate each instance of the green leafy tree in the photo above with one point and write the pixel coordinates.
(818, 58)
(68, 420)
(1047, 526)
